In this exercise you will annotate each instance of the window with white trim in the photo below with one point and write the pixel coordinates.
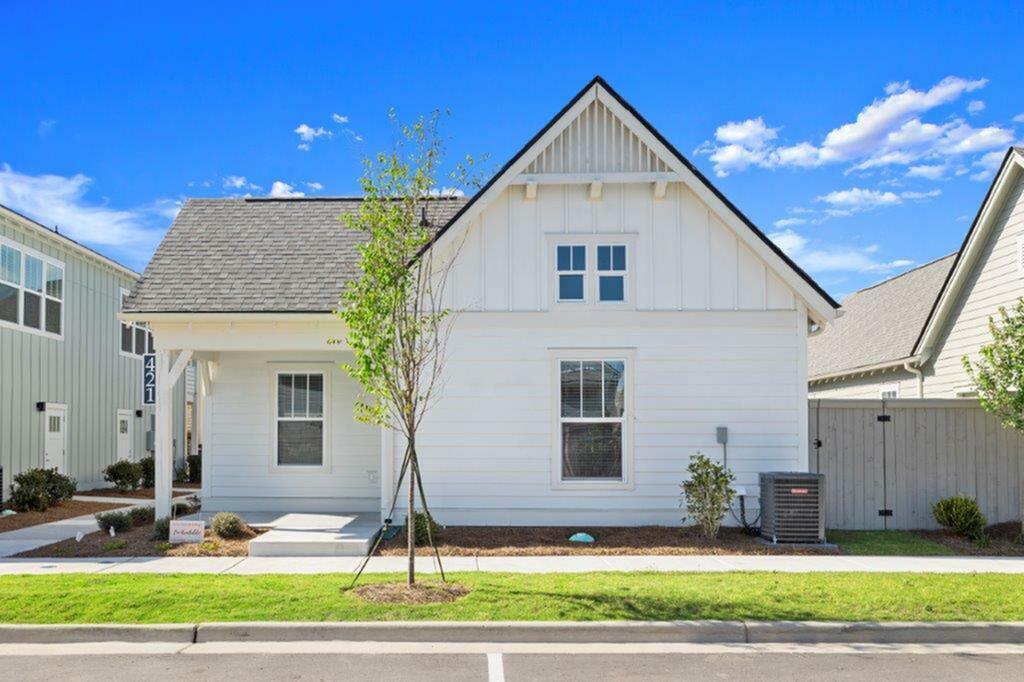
(890, 392)
(136, 339)
(611, 273)
(592, 412)
(300, 419)
(572, 272)
(31, 290)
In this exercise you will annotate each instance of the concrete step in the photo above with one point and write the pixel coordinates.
(285, 542)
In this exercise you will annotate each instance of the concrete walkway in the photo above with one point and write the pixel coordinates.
(551, 564)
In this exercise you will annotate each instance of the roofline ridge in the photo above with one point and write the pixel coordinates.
(906, 272)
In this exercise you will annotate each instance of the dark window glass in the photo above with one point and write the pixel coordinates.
(592, 389)
(564, 258)
(32, 311)
(53, 316)
(284, 395)
(618, 257)
(54, 281)
(149, 343)
(316, 395)
(614, 388)
(570, 380)
(140, 340)
(300, 442)
(591, 450)
(611, 288)
(570, 287)
(579, 258)
(8, 303)
(126, 338)
(604, 258)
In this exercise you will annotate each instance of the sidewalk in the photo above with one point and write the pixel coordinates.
(24, 539)
(551, 564)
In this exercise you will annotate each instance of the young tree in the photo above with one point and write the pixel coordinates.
(396, 323)
(999, 372)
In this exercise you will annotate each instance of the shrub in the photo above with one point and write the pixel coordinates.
(960, 514)
(124, 474)
(148, 471)
(195, 468)
(707, 494)
(423, 521)
(37, 489)
(120, 521)
(228, 526)
(114, 545)
(142, 515)
(162, 529)
(180, 509)
(29, 491)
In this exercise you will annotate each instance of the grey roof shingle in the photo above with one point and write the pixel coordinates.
(258, 255)
(879, 324)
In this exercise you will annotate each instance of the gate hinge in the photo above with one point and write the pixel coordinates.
(816, 443)
(885, 417)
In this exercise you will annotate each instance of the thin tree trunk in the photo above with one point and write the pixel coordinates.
(411, 523)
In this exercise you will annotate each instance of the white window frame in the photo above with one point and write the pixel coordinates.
(277, 369)
(628, 357)
(624, 273)
(44, 297)
(133, 326)
(591, 292)
(889, 388)
(571, 245)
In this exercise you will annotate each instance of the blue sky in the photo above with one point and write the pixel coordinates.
(862, 137)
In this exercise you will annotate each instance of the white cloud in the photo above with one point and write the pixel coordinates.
(1019, 118)
(447, 192)
(239, 182)
(338, 118)
(858, 199)
(315, 186)
(826, 258)
(928, 172)
(789, 222)
(308, 134)
(917, 196)
(282, 190)
(750, 133)
(975, 107)
(129, 235)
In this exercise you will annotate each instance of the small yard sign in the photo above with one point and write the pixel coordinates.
(149, 379)
(186, 531)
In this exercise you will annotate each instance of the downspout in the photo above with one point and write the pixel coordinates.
(916, 371)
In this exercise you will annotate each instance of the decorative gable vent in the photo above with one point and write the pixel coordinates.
(597, 142)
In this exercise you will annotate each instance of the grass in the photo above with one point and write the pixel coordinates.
(886, 543)
(77, 598)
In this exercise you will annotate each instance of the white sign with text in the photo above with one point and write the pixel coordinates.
(187, 531)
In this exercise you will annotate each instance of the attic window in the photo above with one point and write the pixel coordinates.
(572, 272)
(611, 273)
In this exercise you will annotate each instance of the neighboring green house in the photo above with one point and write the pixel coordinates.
(70, 372)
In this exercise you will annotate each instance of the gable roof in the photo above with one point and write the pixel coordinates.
(880, 324)
(970, 250)
(599, 88)
(65, 241)
(258, 256)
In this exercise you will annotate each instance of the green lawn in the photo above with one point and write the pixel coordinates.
(498, 596)
(885, 542)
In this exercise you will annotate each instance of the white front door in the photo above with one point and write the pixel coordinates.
(55, 432)
(124, 435)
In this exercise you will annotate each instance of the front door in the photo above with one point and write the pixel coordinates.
(124, 435)
(55, 437)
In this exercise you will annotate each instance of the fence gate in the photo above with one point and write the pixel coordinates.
(887, 462)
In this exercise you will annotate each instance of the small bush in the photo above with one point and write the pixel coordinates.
(180, 509)
(142, 515)
(148, 472)
(114, 545)
(707, 494)
(195, 468)
(120, 521)
(58, 486)
(162, 530)
(29, 491)
(228, 526)
(124, 474)
(208, 546)
(961, 514)
(423, 521)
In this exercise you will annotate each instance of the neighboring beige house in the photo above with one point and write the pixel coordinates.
(906, 337)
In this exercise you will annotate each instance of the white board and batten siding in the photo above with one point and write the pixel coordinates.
(83, 369)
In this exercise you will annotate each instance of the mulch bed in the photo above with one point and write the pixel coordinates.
(1004, 540)
(420, 593)
(140, 494)
(139, 542)
(546, 541)
(65, 510)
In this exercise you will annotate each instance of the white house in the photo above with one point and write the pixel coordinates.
(616, 309)
(907, 337)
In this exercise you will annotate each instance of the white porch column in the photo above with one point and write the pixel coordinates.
(163, 468)
(167, 375)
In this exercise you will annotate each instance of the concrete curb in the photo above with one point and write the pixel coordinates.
(70, 634)
(704, 632)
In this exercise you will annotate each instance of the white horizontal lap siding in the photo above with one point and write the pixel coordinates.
(996, 280)
(486, 447)
(241, 450)
(868, 387)
(685, 258)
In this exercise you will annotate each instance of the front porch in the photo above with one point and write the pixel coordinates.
(295, 534)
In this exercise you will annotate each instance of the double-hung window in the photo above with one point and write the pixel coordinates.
(592, 412)
(136, 339)
(611, 273)
(31, 290)
(572, 272)
(300, 419)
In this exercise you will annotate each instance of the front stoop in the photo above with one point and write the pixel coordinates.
(299, 534)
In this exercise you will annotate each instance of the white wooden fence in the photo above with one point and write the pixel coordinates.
(887, 462)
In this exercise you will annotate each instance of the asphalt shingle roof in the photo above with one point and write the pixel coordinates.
(879, 324)
(258, 255)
